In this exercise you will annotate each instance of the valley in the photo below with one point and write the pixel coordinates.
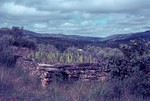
(44, 67)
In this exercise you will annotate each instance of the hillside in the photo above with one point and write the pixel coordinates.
(60, 68)
(117, 37)
(62, 41)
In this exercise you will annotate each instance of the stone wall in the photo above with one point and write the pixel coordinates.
(60, 72)
(82, 71)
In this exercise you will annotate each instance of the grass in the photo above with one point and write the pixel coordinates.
(15, 85)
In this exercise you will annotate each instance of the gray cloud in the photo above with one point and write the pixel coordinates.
(86, 5)
(81, 17)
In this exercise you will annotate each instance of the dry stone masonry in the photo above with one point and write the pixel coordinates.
(82, 71)
(61, 72)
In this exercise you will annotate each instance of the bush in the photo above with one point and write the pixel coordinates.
(133, 69)
(7, 59)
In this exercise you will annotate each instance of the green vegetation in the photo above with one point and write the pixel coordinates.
(57, 57)
(128, 68)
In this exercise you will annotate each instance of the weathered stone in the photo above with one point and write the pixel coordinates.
(50, 69)
(102, 78)
(85, 79)
(45, 81)
(49, 73)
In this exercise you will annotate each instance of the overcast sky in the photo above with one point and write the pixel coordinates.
(77, 17)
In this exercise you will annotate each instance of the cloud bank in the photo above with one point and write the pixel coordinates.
(80, 17)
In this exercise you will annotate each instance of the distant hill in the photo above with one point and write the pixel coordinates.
(116, 40)
(62, 36)
(62, 42)
(127, 37)
(117, 37)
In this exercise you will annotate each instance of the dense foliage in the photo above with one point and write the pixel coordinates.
(133, 69)
(128, 68)
(11, 38)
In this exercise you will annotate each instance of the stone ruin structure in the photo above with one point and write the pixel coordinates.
(81, 71)
(62, 72)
